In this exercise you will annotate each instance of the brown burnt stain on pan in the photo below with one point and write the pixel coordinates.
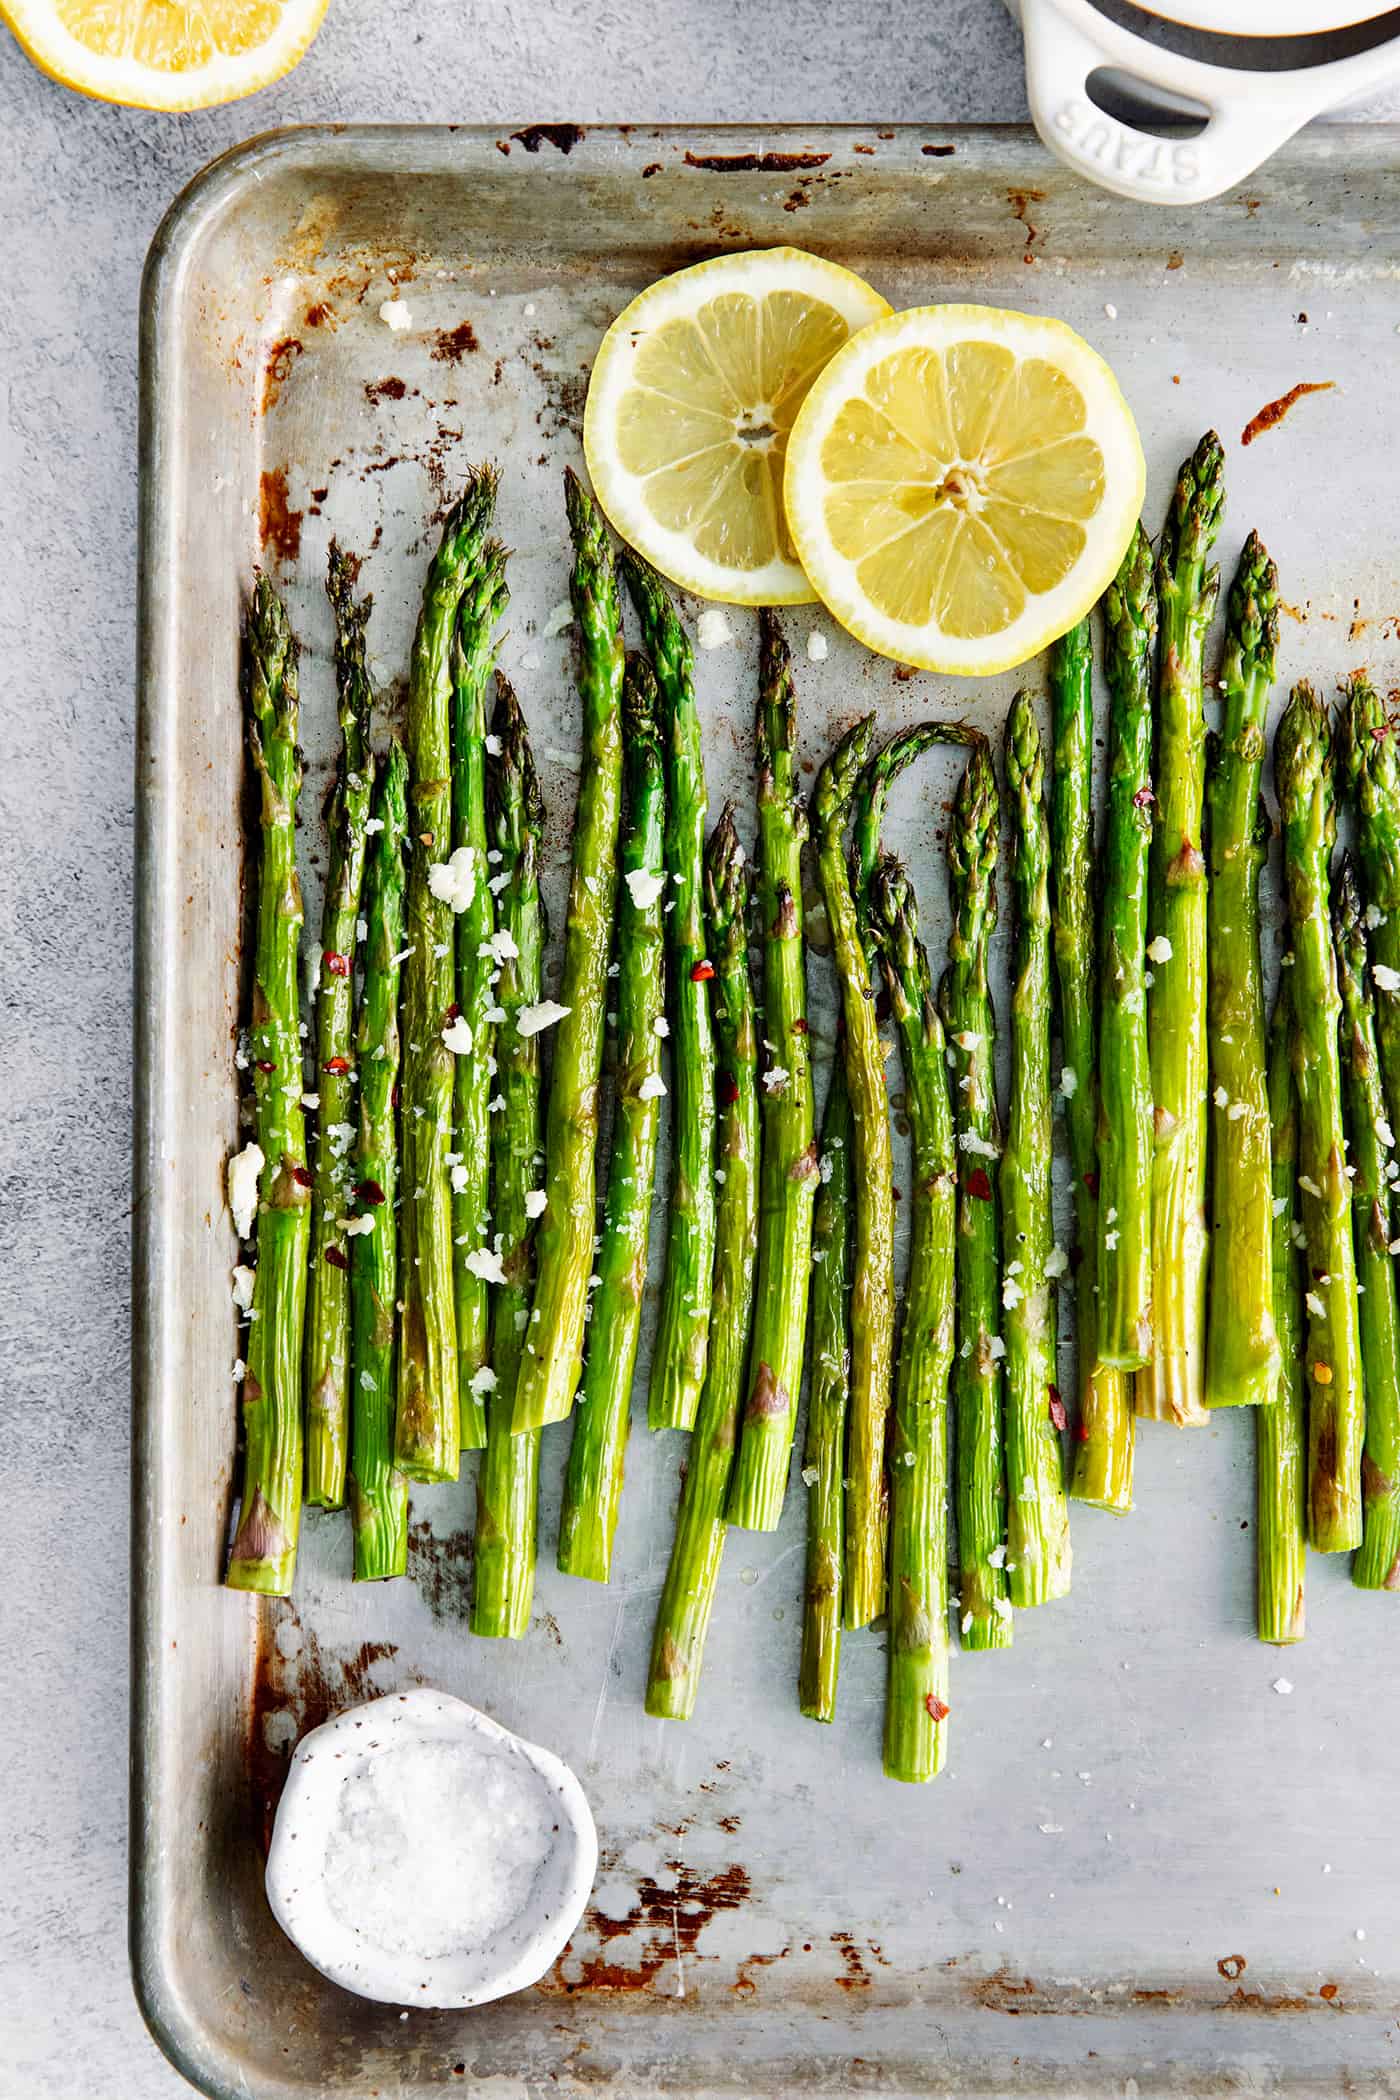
(1273, 412)
(1005, 1993)
(451, 345)
(1021, 202)
(390, 389)
(441, 1569)
(279, 526)
(277, 368)
(563, 137)
(755, 163)
(1231, 1967)
(745, 1984)
(668, 1922)
(1241, 2000)
(854, 1974)
(306, 1687)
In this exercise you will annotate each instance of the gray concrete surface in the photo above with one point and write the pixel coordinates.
(83, 187)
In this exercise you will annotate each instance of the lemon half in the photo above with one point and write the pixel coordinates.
(692, 397)
(961, 485)
(165, 54)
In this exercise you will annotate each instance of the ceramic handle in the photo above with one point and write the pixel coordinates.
(1249, 118)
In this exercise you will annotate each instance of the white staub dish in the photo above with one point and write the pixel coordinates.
(1249, 113)
(423, 1855)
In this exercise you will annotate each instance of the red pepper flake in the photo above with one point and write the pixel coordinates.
(937, 1711)
(1081, 1434)
(1327, 1991)
(1091, 1181)
(336, 963)
(336, 1257)
(1057, 1409)
(394, 1094)
(454, 1012)
(265, 1064)
(1144, 799)
(301, 1177)
(1274, 411)
(370, 1192)
(799, 1027)
(978, 1185)
(701, 972)
(727, 1089)
(338, 1065)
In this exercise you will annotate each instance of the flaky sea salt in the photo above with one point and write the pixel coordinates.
(436, 1847)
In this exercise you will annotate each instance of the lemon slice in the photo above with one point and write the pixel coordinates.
(961, 485)
(691, 400)
(165, 54)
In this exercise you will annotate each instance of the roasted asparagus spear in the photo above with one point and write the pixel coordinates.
(824, 1457)
(473, 1037)
(1103, 1433)
(427, 1438)
(789, 1163)
(601, 1420)
(1336, 1402)
(1037, 1513)
(1171, 1386)
(553, 1360)
(378, 1491)
(1377, 1563)
(683, 1326)
(916, 1699)
(969, 1021)
(683, 1616)
(1369, 763)
(507, 1486)
(872, 1274)
(263, 1556)
(1281, 1422)
(1242, 1358)
(328, 1285)
(1124, 1263)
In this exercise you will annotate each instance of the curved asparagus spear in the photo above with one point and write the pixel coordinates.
(378, 1491)
(872, 1274)
(1037, 1513)
(1124, 1254)
(1336, 1405)
(916, 1700)
(966, 1005)
(1370, 764)
(683, 1616)
(507, 1486)
(1377, 1564)
(553, 1360)
(328, 1284)
(1281, 1422)
(1171, 1387)
(789, 1163)
(473, 654)
(427, 1437)
(1242, 1359)
(824, 1458)
(264, 1551)
(594, 1482)
(683, 1324)
(1103, 1445)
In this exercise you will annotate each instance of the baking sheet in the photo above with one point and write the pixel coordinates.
(1146, 1868)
